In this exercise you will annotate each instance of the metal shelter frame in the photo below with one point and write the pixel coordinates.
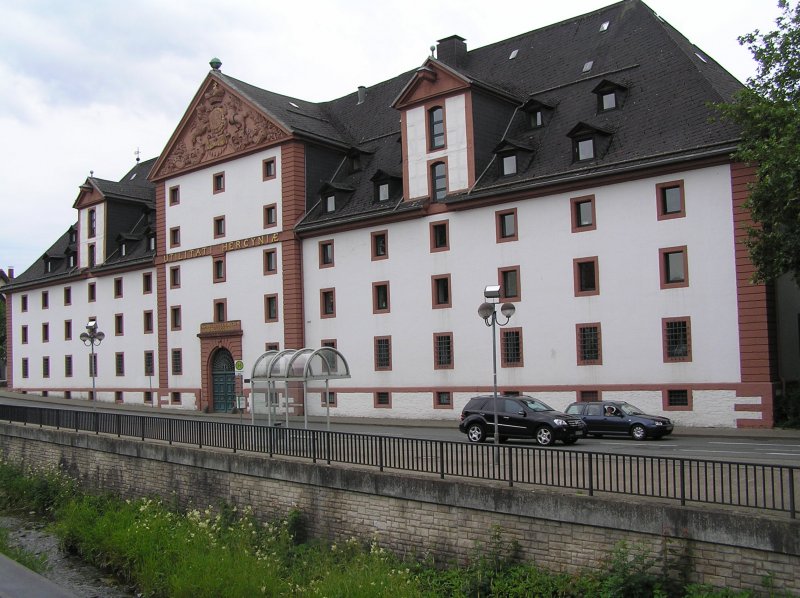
(296, 365)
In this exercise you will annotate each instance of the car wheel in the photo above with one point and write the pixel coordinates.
(475, 433)
(544, 436)
(638, 432)
(569, 441)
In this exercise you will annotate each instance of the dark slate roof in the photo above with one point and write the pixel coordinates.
(133, 188)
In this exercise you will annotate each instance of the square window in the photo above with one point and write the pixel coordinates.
(326, 254)
(219, 227)
(383, 353)
(443, 351)
(586, 276)
(175, 398)
(588, 344)
(608, 101)
(583, 213)
(91, 292)
(509, 165)
(270, 215)
(177, 362)
(268, 169)
(327, 303)
(677, 335)
(584, 148)
(270, 261)
(218, 182)
(511, 348)
(271, 308)
(440, 286)
(382, 400)
(670, 198)
(506, 225)
(677, 399)
(67, 295)
(442, 399)
(674, 267)
(147, 321)
(439, 232)
(175, 236)
(175, 277)
(175, 317)
(174, 196)
(510, 289)
(147, 283)
(119, 325)
(380, 245)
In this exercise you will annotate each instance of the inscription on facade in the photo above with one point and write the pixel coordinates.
(225, 247)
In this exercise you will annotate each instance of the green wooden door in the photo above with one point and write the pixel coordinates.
(223, 385)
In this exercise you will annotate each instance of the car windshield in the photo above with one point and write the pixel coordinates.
(629, 409)
(536, 405)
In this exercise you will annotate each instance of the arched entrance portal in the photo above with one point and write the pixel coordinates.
(223, 378)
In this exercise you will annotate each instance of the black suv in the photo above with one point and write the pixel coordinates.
(619, 418)
(518, 417)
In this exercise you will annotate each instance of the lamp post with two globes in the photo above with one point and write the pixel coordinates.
(488, 311)
(90, 338)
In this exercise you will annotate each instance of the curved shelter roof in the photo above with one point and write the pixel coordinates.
(300, 365)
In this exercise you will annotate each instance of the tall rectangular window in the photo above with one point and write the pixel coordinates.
(45, 332)
(270, 215)
(220, 310)
(677, 339)
(327, 303)
(117, 288)
(440, 237)
(511, 347)
(147, 283)
(175, 317)
(119, 364)
(585, 273)
(119, 324)
(149, 363)
(510, 288)
(24, 367)
(271, 308)
(177, 362)
(443, 351)
(45, 367)
(24, 335)
(589, 344)
(674, 266)
(383, 352)
(45, 299)
(175, 277)
(67, 330)
(326, 254)
(269, 171)
(440, 287)
(67, 295)
(219, 227)
(92, 292)
(436, 127)
(380, 297)
(380, 245)
(68, 366)
(218, 182)
(147, 321)
(439, 180)
(583, 213)
(506, 225)
(218, 266)
(23, 302)
(270, 261)
(92, 223)
(174, 195)
(175, 236)
(92, 255)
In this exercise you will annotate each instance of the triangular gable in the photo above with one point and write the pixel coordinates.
(219, 123)
(89, 195)
(432, 79)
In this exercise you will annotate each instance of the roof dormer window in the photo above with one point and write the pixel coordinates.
(73, 236)
(610, 95)
(383, 192)
(584, 148)
(151, 243)
(330, 203)
(536, 119)
(123, 249)
(537, 113)
(509, 164)
(71, 260)
(588, 142)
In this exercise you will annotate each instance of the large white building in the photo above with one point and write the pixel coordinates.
(576, 166)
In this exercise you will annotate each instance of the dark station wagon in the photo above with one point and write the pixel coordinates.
(518, 417)
(618, 418)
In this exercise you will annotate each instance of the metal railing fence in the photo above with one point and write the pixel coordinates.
(757, 486)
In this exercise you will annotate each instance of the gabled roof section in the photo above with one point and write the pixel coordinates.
(431, 80)
(133, 187)
(222, 121)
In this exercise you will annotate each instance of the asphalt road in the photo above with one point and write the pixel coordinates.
(776, 447)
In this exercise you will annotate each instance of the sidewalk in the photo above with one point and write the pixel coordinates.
(37, 400)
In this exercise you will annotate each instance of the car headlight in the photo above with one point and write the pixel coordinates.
(659, 423)
(559, 422)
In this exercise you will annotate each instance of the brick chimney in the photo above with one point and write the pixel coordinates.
(452, 50)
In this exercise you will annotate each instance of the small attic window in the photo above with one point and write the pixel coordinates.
(584, 148)
(330, 203)
(354, 162)
(513, 55)
(383, 192)
(588, 66)
(608, 100)
(509, 164)
(123, 249)
(294, 105)
(610, 95)
(71, 260)
(536, 119)
(700, 56)
(133, 176)
(73, 236)
(604, 26)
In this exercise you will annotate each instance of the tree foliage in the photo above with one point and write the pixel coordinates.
(768, 111)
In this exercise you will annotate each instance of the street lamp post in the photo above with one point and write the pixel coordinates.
(90, 338)
(488, 312)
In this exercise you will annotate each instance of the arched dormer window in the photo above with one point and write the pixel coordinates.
(436, 127)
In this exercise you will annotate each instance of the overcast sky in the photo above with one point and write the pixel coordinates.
(86, 83)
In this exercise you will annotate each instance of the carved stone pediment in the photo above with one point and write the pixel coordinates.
(220, 124)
